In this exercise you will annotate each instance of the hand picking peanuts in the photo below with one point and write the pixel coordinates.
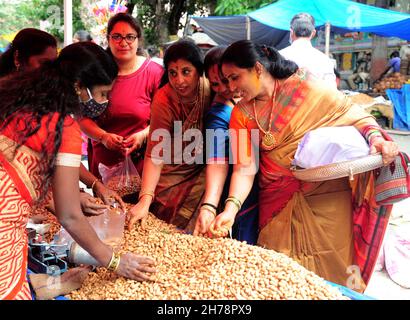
(191, 267)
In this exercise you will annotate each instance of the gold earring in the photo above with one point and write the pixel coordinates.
(77, 90)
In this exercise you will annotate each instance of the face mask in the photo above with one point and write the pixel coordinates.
(92, 108)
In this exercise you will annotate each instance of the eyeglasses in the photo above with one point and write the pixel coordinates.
(129, 38)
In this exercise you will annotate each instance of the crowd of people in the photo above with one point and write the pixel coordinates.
(256, 102)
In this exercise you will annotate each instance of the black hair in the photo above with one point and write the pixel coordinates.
(183, 49)
(394, 54)
(27, 43)
(127, 18)
(33, 96)
(302, 24)
(244, 54)
(213, 57)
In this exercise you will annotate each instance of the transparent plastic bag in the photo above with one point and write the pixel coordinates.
(122, 177)
(109, 226)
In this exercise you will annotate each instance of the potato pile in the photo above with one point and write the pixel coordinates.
(200, 268)
(394, 81)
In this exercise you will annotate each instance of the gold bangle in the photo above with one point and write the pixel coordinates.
(94, 182)
(149, 193)
(209, 210)
(235, 201)
(114, 262)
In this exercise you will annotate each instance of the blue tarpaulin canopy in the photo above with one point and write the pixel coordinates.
(270, 24)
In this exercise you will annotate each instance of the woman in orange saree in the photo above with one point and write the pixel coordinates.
(173, 180)
(40, 145)
(332, 228)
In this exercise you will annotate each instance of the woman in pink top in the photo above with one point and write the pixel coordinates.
(122, 128)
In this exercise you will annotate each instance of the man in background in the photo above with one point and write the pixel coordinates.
(301, 51)
(362, 72)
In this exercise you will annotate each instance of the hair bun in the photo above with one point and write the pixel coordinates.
(266, 51)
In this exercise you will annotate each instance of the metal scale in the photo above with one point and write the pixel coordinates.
(44, 257)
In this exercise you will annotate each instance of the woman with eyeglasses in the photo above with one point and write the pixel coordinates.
(122, 128)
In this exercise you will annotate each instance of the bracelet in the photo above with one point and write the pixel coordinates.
(209, 210)
(149, 193)
(114, 262)
(374, 135)
(94, 182)
(235, 201)
(209, 205)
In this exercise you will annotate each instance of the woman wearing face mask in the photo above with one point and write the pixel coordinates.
(173, 178)
(218, 170)
(28, 51)
(122, 128)
(40, 146)
(321, 225)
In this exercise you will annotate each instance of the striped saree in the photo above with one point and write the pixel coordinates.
(333, 228)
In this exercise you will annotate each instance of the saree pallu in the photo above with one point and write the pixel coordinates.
(18, 189)
(324, 226)
(20, 186)
(181, 186)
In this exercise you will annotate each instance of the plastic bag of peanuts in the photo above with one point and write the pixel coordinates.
(122, 177)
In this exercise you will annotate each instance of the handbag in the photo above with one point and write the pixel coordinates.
(392, 183)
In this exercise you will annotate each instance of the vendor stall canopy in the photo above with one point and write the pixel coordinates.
(270, 24)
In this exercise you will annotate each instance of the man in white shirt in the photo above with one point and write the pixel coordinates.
(301, 51)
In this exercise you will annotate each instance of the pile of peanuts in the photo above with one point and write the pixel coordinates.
(200, 268)
(49, 218)
(117, 184)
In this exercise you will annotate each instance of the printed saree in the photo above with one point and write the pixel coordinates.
(333, 228)
(20, 187)
(180, 189)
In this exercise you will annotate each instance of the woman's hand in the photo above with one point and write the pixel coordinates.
(203, 222)
(139, 212)
(222, 224)
(89, 205)
(136, 267)
(388, 149)
(107, 195)
(134, 142)
(112, 141)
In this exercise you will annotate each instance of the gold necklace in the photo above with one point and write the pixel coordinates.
(191, 117)
(268, 140)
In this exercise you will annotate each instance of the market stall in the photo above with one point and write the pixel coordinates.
(198, 268)
(270, 24)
